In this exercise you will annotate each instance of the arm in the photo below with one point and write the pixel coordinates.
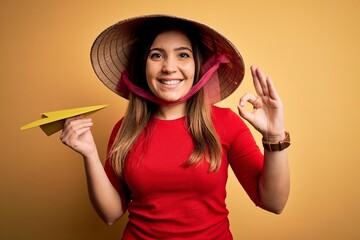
(103, 196)
(274, 183)
(267, 117)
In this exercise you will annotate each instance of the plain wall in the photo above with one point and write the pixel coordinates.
(310, 48)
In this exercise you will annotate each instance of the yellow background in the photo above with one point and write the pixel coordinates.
(310, 48)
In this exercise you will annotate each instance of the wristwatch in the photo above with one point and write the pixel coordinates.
(277, 146)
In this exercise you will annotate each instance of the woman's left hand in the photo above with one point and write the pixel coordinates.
(267, 115)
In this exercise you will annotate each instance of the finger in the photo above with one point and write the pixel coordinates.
(253, 100)
(262, 80)
(71, 139)
(71, 119)
(248, 97)
(272, 91)
(244, 113)
(256, 82)
(73, 124)
(73, 133)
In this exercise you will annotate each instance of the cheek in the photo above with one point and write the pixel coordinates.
(148, 73)
(190, 71)
(147, 69)
(150, 82)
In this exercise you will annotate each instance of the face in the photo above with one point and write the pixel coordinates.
(170, 66)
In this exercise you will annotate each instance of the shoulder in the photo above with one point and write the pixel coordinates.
(114, 133)
(219, 114)
(116, 128)
(227, 123)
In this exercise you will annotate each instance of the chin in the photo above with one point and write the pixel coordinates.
(171, 98)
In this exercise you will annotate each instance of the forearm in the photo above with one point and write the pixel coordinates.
(274, 186)
(267, 117)
(103, 196)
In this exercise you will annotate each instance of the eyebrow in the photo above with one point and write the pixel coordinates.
(176, 49)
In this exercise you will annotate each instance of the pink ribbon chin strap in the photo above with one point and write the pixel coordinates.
(125, 85)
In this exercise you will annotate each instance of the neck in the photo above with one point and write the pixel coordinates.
(171, 112)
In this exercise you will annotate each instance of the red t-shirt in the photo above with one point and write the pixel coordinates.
(166, 200)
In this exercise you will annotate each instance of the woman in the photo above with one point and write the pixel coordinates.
(168, 157)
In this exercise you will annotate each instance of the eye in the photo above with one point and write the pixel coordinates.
(184, 55)
(155, 55)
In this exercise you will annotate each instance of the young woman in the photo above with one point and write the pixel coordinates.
(168, 157)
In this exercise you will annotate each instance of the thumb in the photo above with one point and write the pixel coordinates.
(244, 113)
(247, 98)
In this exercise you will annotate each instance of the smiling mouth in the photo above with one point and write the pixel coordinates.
(170, 82)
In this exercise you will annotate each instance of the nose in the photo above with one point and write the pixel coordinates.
(169, 65)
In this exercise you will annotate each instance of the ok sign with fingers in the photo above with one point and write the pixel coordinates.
(267, 115)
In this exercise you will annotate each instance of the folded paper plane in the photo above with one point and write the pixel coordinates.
(52, 122)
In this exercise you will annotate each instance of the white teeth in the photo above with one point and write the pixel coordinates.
(170, 82)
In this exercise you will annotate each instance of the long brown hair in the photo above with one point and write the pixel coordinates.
(139, 111)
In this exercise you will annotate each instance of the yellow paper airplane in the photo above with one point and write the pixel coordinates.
(52, 122)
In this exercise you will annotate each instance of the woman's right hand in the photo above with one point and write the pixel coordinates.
(76, 134)
(103, 196)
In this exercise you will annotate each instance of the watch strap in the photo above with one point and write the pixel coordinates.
(277, 146)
